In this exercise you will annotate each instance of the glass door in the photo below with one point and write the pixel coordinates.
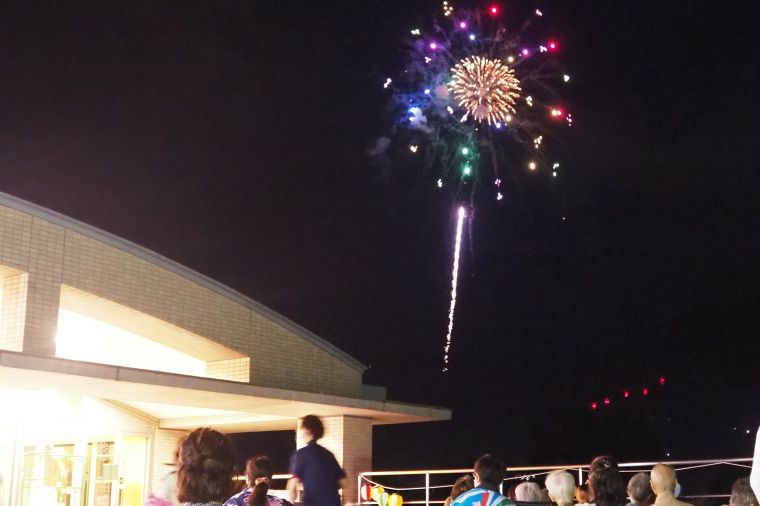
(103, 474)
(48, 477)
(110, 473)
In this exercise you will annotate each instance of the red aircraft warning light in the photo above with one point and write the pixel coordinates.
(594, 405)
(494, 10)
(662, 380)
(607, 401)
(626, 394)
(645, 391)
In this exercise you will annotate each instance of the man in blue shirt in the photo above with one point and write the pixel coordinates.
(316, 468)
(488, 475)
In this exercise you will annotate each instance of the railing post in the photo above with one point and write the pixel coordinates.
(359, 488)
(580, 476)
(427, 489)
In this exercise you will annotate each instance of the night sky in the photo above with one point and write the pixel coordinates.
(232, 137)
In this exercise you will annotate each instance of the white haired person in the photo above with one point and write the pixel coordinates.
(528, 492)
(561, 487)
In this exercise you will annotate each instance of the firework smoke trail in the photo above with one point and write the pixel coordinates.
(454, 276)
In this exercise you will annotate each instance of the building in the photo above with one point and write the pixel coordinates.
(110, 353)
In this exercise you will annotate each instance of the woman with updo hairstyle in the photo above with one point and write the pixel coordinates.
(606, 483)
(258, 476)
(205, 476)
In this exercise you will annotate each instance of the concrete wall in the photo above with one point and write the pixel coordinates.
(55, 254)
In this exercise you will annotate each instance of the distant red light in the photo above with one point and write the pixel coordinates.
(662, 380)
(645, 391)
(494, 10)
(626, 394)
(594, 405)
(552, 45)
(607, 401)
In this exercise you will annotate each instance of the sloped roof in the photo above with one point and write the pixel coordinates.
(138, 251)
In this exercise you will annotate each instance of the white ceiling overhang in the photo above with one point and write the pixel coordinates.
(186, 402)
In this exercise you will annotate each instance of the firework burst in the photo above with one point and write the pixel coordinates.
(477, 105)
(487, 89)
(472, 81)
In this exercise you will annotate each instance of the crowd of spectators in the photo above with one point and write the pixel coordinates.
(605, 486)
(205, 476)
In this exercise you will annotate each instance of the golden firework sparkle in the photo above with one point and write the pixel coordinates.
(487, 89)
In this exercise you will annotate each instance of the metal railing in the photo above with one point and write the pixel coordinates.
(433, 491)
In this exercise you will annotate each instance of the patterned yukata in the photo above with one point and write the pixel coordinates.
(241, 499)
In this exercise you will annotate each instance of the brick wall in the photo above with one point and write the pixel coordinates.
(53, 256)
(234, 369)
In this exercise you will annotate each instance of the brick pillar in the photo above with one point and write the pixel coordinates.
(42, 301)
(165, 444)
(350, 440)
(13, 312)
(43, 294)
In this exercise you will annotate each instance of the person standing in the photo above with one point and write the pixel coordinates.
(315, 468)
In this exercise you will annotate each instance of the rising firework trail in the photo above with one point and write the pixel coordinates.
(454, 276)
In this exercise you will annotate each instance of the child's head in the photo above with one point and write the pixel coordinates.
(489, 471)
(582, 493)
(462, 485)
